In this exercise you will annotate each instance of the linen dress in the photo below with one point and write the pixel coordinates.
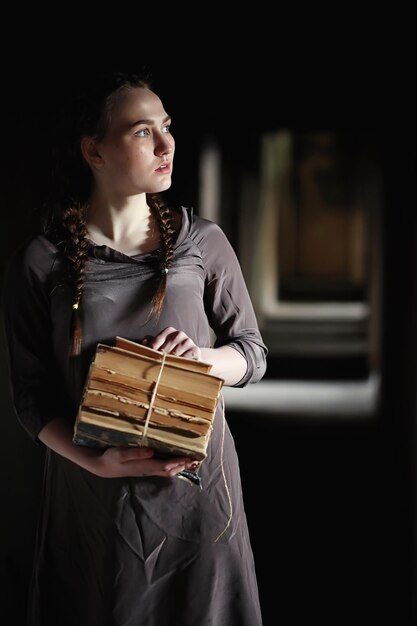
(146, 551)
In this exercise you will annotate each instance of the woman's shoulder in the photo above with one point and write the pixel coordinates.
(36, 254)
(200, 229)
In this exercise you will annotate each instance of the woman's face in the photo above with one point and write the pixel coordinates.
(136, 154)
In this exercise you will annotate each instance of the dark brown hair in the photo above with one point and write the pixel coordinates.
(65, 219)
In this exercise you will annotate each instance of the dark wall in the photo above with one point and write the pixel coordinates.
(398, 397)
(313, 496)
(330, 504)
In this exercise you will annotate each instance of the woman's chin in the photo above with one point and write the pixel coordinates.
(163, 185)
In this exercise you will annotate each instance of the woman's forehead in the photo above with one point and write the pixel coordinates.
(138, 104)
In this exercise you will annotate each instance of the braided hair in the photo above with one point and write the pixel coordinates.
(65, 219)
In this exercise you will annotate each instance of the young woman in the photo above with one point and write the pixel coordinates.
(122, 539)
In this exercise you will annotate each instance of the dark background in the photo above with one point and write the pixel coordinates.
(330, 503)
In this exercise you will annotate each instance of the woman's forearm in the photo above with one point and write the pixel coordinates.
(227, 363)
(115, 461)
(57, 435)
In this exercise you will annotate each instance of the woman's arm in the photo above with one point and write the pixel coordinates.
(115, 462)
(227, 362)
(227, 303)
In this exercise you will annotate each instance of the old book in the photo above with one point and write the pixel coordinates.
(137, 396)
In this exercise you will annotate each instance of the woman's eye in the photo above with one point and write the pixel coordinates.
(143, 132)
(166, 129)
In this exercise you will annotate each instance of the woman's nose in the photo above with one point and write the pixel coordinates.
(165, 145)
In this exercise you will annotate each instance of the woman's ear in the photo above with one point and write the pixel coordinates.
(90, 152)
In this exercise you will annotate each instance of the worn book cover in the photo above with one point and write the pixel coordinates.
(137, 396)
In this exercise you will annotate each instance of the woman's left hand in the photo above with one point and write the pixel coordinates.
(173, 341)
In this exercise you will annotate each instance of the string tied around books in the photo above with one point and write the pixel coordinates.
(144, 439)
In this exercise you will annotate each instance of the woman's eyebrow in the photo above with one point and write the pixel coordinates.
(150, 122)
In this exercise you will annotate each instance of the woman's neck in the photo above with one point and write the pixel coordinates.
(127, 225)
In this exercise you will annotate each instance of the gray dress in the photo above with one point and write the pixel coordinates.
(133, 551)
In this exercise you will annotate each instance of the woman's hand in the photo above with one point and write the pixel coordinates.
(226, 361)
(121, 462)
(173, 341)
(115, 462)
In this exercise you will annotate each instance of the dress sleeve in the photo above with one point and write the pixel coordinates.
(27, 333)
(228, 305)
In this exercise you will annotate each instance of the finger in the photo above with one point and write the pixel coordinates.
(147, 339)
(173, 471)
(154, 467)
(189, 464)
(181, 345)
(127, 454)
(173, 342)
(192, 464)
(192, 353)
(184, 346)
(158, 341)
(163, 468)
(173, 466)
(173, 463)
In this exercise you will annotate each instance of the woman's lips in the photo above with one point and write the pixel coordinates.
(165, 168)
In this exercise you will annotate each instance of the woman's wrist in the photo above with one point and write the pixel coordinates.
(227, 363)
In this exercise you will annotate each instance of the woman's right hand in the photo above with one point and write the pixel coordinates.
(123, 462)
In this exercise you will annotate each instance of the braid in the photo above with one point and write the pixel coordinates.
(75, 249)
(72, 185)
(167, 231)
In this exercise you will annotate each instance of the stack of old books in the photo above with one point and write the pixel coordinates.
(137, 396)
